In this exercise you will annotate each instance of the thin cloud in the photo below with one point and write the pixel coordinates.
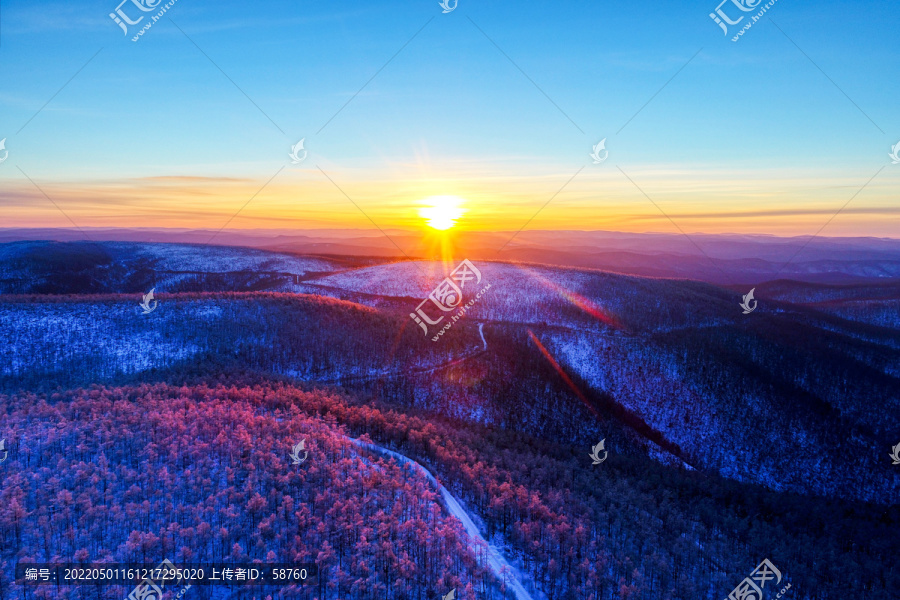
(792, 212)
(191, 179)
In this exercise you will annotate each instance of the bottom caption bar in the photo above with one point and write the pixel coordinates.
(165, 574)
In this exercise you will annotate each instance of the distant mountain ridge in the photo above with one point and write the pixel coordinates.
(735, 259)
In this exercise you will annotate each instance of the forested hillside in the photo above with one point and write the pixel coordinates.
(202, 473)
(125, 267)
(808, 397)
(78, 340)
(675, 364)
(729, 438)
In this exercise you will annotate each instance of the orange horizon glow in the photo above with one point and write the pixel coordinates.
(596, 200)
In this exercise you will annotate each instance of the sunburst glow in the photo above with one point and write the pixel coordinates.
(442, 212)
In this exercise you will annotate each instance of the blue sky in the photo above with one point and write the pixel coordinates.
(752, 123)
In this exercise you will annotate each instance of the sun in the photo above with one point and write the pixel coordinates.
(442, 212)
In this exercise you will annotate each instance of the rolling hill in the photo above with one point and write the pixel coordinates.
(731, 437)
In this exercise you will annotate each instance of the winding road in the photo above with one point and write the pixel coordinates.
(495, 560)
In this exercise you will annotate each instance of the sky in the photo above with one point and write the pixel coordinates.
(786, 131)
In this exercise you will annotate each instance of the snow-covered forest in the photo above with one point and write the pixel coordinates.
(135, 437)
